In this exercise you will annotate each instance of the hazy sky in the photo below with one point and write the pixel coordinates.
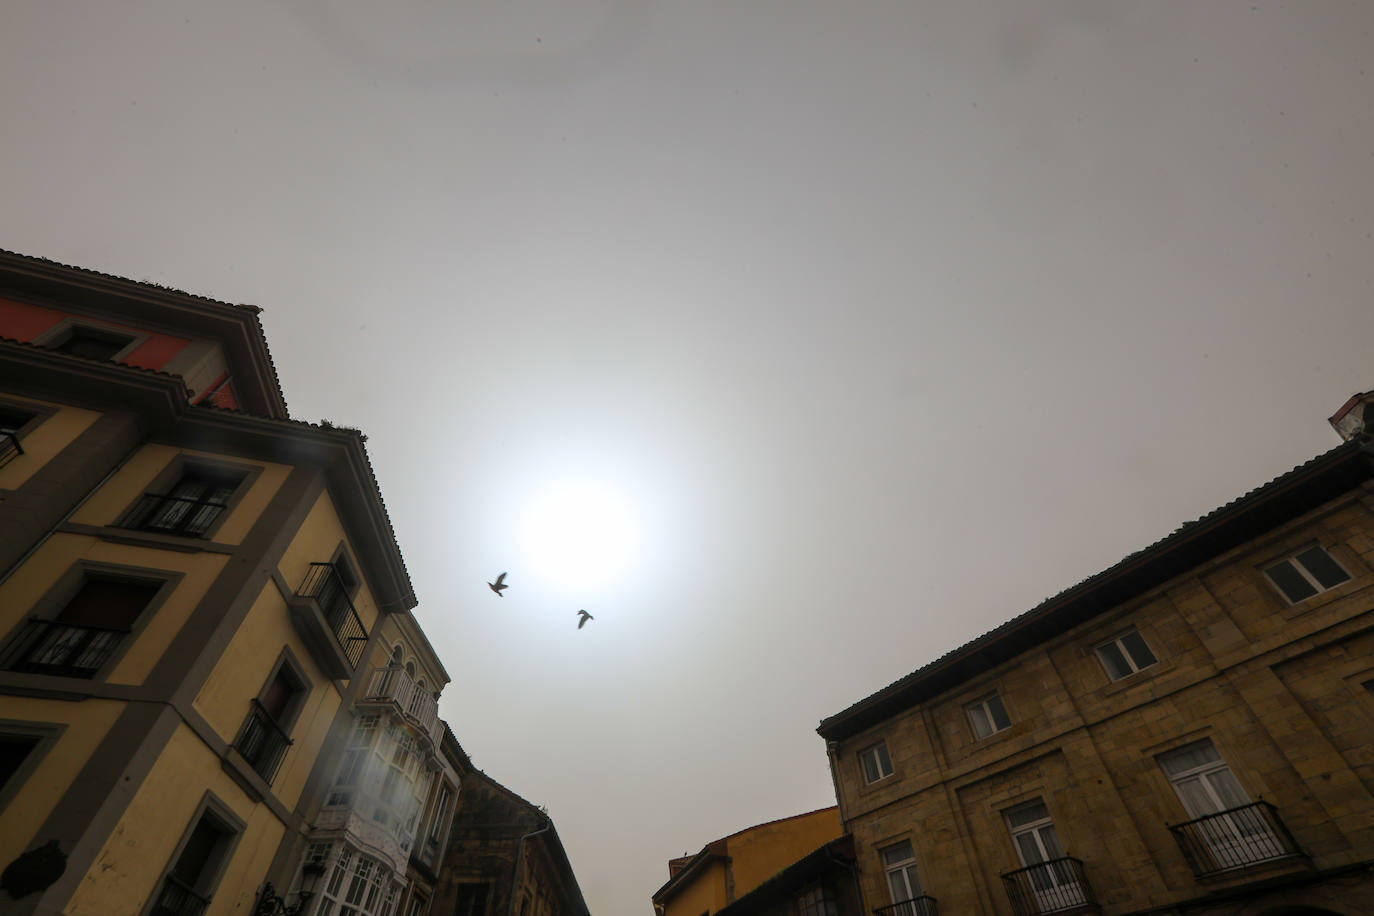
(882, 321)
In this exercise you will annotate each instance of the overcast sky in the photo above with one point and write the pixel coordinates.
(881, 322)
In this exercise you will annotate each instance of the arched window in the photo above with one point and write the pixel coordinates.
(410, 668)
(396, 656)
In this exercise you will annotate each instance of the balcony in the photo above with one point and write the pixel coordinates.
(1251, 834)
(62, 649)
(916, 906)
(393, 688)
(262, 742)
(325, 617)
(10, 448)
(178, 515)
(178, 899)
(1055, 886)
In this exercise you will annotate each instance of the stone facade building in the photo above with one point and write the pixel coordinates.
(1189, 731)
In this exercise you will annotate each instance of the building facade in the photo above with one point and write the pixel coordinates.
(212, 689)
(1189, 731)
(727, 869)
(504, 857)
(823, 883)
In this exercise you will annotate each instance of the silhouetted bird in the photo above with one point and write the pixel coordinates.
(585, 617)
(498, 585)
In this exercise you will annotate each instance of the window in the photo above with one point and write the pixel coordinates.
(1227, 830)
(815, 902)
(14, 750)
(266, 733)
(358, 886)
(92, 342)
(1306, 574)
(189, 884)
(85, 633)
(1125, 655)
(1046, 875)
(11, 421)
(190, 507)
(472, 900)
(987, 716)
(875, 762)
(899, 864)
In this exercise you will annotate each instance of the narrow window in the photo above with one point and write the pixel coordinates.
(86, 632)
(14, 750)
(899, 864)
(190, 507)
(815, 902)
(1047, 876)
(266, 733)
(987, 716)
(92, 342)
(11, 421)
(1125, 655)
(190, 883)
(1306, 574)
(875, 762)
(472, 900)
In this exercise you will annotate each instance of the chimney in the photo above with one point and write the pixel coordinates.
(1355, 419)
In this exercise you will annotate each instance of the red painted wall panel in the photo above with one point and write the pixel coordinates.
(21, 321)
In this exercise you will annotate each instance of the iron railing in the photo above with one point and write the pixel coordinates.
(323, 584)
(262, 742)
(9, 448)
(1235, 838)
(173, 515)
(179, 899)
(916, 906)
(64, 649)
(1049, 887)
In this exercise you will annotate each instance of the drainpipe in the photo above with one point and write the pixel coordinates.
(519, 856)
(832, 751)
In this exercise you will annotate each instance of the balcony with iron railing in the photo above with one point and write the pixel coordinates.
(394, 688)
(179, 899)
(324, 615)
(916, 906)
(262, 742)
(62, 649)
(179, 515)
(1236, 838)
(10, 448)
(1055, 886)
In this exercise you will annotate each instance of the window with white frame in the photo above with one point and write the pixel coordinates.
(1307, 573)
(1125, 654)
(1203, 781)
(899, 865)
(987, 716)
(358, 886)
(875, 762)
(1047, 875)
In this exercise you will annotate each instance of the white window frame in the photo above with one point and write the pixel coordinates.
(1054, 884)
(1127, 656)
(902, 869)
(878, 754)
(1305, 574)
(983, 704)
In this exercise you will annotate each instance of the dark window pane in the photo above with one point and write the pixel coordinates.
(999, 712)
(1139, 651)
(108, 603)
(198, 855)
(1294, 587)
(93, 344)
(1113, 661)
(1324, 569)
(14, 750)
(12, 420)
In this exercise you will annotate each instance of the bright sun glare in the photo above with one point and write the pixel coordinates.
(580, 534)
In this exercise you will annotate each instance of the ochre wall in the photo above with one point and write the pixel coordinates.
(49, 437)
(760, 852)
(315, 542)
(87, 724)
(705, 892)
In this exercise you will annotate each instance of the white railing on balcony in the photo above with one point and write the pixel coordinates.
(394, 685)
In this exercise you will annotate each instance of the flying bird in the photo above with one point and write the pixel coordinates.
(498, 585)
(585, 617)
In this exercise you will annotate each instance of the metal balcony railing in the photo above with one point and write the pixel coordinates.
(173, 515)
(394, 685)
(1049, 887)
(262, 742)
(322, 583)
(1235, 838)
(64, 649)
(179, 899)
(916, 906)
(9, 448)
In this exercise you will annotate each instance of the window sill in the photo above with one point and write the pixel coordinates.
(1322, 599)
(183, 544)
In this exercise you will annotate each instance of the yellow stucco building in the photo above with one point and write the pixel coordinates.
(729, 868)
(210, 677)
